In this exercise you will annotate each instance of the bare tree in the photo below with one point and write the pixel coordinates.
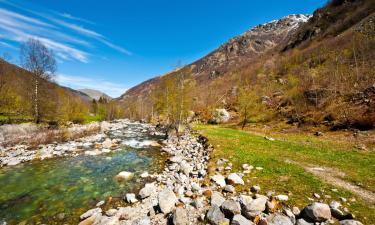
(39, 60)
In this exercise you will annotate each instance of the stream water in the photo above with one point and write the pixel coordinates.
(57, 191)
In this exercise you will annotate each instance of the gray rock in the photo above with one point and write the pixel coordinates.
(111, 212)
(230, 208)
(219, 180)
(255, 188)
(180, 217)
(217, 199)
(279, 219)
(90, 212)
(303, 222)
(142, 221)
(229, 188)
(350, 222)
(167, 200)
(233, 178)
(244, 200)
(216, 217)
(130, 198)
(317, 212)
(241, 220)
(255, 207)
(147, 190)
(100, 203)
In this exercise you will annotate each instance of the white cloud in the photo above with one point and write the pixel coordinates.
(46, 27)
(81, 82)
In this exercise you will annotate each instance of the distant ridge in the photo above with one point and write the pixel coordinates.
(94, 94)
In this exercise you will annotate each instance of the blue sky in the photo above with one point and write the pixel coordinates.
(113, 45)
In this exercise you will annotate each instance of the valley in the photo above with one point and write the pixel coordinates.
(275, 126)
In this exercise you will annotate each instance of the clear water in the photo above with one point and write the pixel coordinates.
(37, 192)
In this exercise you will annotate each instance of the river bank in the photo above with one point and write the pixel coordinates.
(184, 194)
(95, 142)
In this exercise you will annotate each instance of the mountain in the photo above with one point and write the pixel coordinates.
(94, 94)
(237, 51)
(301, 69)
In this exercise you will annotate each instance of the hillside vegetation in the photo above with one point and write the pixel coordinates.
(57, 104)
(318, 72)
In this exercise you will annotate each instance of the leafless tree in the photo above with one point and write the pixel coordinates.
(39, 60)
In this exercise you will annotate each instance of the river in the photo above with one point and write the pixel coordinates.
(57, 191)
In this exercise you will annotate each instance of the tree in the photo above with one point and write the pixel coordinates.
(39, 60)
(249, 105)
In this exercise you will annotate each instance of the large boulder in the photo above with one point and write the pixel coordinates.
(180, 217)
(167, 200)
(233, 178)
(90, 213)
(317, 212)
(219, 180)
(255, 207)
(279, 219)
(220, 116)
(230, 208)
(125, 175)
(241, 220)
(148, 190)
(217, 199)
(216, 217)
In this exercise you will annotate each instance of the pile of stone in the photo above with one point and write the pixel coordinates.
(182, 195)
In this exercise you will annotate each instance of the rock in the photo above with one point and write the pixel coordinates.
(142, 221)
(230, 208)
(229, 188)
(107, 143)
(147, 190)
(316, 195)
(167, 200)
(255, 188)
(282, 197)
(317, 212)
(60, 216)
(100, 203)
(130, 198)
(240, 220)
(279, 219)
(125, 175)
(244, 200)
(217, 199)
(350, 222)
(233, 178)
(220, 116)
(13, 162)
(90, 220)
(90, 212)
(111, 212)
(296, 211)
(180, 217)
(303, 222)
(255, 207)
(219, 180)
(176, 159)
(144, 175)
(216, 217)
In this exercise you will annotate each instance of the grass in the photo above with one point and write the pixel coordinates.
(286, 178)
(90, 119)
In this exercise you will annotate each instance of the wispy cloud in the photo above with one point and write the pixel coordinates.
(71, 17)
(81, 82)
(55, 30)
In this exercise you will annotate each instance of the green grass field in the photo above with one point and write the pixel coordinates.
(284, 177)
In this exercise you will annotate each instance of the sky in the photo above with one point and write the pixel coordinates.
(114, 45)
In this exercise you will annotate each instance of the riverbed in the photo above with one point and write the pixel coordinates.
(58, 190)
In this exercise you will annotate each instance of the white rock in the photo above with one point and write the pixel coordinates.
(234, 178)
(125, 175)
(219, 180)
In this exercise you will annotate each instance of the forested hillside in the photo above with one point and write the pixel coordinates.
(57, 104)
(307, 71)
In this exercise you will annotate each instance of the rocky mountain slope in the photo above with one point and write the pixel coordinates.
(239, 50)
(307, 69)
(95, 94)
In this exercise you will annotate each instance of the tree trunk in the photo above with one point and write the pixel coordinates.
(36, 107)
